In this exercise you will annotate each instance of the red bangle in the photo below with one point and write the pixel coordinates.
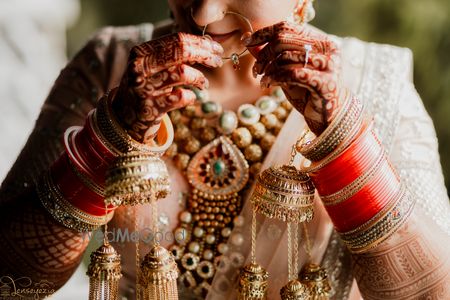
(367, 202)
(356, 196)
(92, 134)
(349, 165)
(96, 169)
(74, 190)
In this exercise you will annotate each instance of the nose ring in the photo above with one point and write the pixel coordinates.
(234, 57)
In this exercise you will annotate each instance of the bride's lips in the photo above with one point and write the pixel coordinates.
(220, 38)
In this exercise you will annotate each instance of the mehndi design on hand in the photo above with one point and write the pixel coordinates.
(313, 86)
(156, 79)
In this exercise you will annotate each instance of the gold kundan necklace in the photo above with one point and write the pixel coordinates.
(220, 152)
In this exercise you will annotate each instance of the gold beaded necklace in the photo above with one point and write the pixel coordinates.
(220, 152)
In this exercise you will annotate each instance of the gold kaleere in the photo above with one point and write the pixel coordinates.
(134, 178)
(253, 277)
(253, 282)
(158, 271)
(316, 279)
(314, 276)
(295, 290)
(158, 275)
(104, 272)
(286, 194)
(140, 178)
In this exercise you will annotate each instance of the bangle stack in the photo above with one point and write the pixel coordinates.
(73, 191)
(360, 189)
(340, 129)
(65, 212)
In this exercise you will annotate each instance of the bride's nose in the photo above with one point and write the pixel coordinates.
(205, 12)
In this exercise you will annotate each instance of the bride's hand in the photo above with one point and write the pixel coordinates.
(156, 78)
(314, 88)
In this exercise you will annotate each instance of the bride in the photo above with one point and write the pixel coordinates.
(224, 92)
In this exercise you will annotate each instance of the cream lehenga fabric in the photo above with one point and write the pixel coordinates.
(379, 74)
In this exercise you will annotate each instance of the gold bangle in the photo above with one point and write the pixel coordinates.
(63, 211)
(381, 226)
(135, 178)
(362, 123)
(349, 116)
(113, 133)
(93, 119)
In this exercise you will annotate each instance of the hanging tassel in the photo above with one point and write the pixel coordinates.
(159, 271)
(294, 290)
(316, 279)
(253, 278)
(253, 283)
(158, 276)
(104, 273)
(314, 276)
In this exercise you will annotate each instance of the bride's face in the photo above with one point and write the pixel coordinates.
(192, 15)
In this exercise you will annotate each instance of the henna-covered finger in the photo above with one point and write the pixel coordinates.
(163, 81)
(321, 88)
(203, 57)
(315, 61)
(271, 52)
(320, 84)
(141, 120)
(283, 43)
(178, 98)
(156, 55)
(266, 34)
(151, 109)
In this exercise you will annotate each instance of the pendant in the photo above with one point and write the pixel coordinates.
(218, 170)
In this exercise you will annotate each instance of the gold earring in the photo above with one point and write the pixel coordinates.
(304, 11)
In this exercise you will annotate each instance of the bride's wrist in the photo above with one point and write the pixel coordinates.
(345, 124)
(114, 133)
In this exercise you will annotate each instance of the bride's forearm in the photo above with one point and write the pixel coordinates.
(412, 264)
(398, 254)
(34, 245)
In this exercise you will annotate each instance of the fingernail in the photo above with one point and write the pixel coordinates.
(217, 47)
(218, 60)
(246, 38)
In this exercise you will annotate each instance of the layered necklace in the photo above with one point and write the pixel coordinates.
(220, 152)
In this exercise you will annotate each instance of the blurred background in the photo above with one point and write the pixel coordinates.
(423, 26)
